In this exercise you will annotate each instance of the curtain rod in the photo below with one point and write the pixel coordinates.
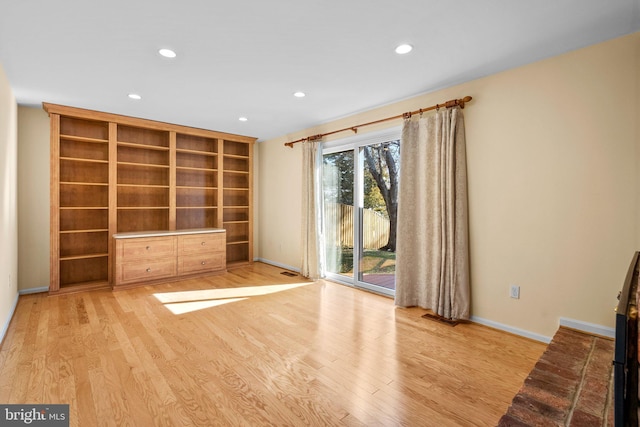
(448, 104)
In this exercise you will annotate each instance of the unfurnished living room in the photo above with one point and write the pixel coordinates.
(321, 213)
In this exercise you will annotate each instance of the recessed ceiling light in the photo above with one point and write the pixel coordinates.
(404, 48)
(135, 96)
(243, 119)
(299, 94)
(167, 53)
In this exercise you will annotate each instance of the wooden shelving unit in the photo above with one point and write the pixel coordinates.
(143, 179)
(196, 182)
(116, 174)
(237, 195)
(81, 160)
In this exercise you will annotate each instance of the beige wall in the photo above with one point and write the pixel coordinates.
(279, 204)
(8, 203)
(33, 200)
(553, 176)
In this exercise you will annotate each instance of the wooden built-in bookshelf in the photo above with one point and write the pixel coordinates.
(237, 196)
(116, 174)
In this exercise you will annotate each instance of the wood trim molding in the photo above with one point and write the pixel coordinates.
(64, 110)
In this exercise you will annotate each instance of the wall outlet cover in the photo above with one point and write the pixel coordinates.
(514, 292)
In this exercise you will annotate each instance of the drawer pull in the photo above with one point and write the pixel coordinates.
(203, 263)
(203, 243)
(149, 270)
(148, 247)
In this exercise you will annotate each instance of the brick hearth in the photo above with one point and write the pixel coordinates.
(569, 386)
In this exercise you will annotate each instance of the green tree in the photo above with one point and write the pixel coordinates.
(338, 168)
(372, 197)
(383, 162)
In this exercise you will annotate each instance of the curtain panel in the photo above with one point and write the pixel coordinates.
(432, 266)
(312, 255)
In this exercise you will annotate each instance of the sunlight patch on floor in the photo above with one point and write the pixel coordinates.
(188, 307)
(181, 302)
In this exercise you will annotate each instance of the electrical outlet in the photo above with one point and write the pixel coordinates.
(514, 292)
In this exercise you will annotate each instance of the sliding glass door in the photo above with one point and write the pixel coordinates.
(360, 181)
(338, 180)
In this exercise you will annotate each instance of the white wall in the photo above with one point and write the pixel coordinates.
(553, 181)
(8, 203)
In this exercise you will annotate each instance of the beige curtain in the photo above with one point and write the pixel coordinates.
(432, 269)
(311, 208)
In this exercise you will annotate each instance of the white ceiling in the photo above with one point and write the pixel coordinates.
(246, 58)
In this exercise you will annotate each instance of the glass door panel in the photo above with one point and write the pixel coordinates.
(338, 185)
(360, 210)
(379, 171)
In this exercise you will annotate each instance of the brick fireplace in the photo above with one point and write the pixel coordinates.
(571, 385)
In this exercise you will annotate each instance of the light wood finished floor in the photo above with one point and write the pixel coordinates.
(252, 348)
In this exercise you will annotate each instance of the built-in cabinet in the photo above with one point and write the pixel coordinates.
(151, 257)
(117, 174)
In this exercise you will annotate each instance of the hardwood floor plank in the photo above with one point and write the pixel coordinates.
(289, 375)
(9, 357)
(356, 400)
(157, 382)
(253, 347)
(25, 358)
(84, 399)
(105, 412)
(134, 412)
(189, 387)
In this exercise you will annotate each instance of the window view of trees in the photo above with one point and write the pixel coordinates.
(382, 165)
(338, 177)
(337, 180)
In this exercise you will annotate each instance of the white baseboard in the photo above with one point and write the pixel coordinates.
(33, 291)
(590, 328)
(277, 264)
(511, 329)
(8, 320)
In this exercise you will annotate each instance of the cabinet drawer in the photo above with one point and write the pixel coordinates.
(203, 262)
(152, 247)
(198, 243)
(148, 270)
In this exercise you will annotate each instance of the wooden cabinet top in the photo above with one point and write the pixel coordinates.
(64, 110)
(162, 233)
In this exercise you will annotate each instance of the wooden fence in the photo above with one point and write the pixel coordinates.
(339, 227)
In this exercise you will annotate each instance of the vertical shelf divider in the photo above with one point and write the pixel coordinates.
(220, 189)
(54, 191)
(172, 180)
(113, 191)
(250, 201)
